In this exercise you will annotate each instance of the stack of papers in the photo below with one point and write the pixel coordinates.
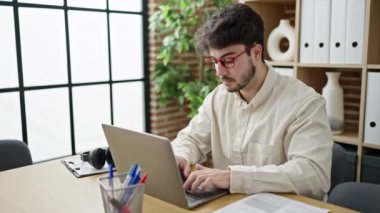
(81, 168)
(268, 202)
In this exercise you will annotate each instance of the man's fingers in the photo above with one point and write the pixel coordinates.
(183, 166)
(186, 170)
(207, 185)
(197, 182)
(188, 182)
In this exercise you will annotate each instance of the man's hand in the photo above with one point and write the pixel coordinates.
(203, 178)
(183, 166)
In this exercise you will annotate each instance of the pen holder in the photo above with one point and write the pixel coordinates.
(120, 199)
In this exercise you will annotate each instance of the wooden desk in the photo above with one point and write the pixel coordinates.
(50, 187)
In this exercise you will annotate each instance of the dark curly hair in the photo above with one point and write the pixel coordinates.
(233, 24)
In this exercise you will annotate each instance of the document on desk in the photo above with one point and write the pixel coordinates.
(268, 202)
(80, 168)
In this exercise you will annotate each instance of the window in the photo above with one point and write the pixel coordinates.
(66, 67)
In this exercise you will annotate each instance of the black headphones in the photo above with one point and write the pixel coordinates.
(97, 157)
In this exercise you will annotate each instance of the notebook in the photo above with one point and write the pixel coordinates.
(155, 155)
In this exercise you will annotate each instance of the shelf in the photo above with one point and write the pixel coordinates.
(353, 77)
(280, 64)
(373, 66)
(272, 12)
(348, 66)
(347, 137)
(273, 1)
(373, 146)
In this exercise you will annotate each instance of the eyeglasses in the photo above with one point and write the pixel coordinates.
(226, 62)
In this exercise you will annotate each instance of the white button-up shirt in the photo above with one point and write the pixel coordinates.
(279, 142)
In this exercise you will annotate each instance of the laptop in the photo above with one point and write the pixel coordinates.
(155, 155)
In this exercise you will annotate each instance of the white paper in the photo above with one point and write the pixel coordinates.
(81, 168)
(268, 202)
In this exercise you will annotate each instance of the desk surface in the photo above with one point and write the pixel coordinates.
(50, 187)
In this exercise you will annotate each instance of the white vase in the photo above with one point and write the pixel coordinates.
(283, 30)
(333, 93)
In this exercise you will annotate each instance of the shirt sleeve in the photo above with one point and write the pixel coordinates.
(308, 146)
(193, 142)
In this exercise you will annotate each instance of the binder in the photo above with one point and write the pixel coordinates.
(284, 71)
(372, 111)
(322, 10)
(338, 31)
(355, 31)
(307, 31)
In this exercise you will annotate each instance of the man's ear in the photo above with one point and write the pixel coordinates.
(256, 52)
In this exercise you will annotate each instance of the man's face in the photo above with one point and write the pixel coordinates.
(233, 66)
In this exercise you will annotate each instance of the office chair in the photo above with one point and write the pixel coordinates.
(14, 154)
(363, 197)
(338, 165)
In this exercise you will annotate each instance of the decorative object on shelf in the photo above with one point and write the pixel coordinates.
(283, 30)
(333, 93)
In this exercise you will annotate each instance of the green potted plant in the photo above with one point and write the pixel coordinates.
(176, 21)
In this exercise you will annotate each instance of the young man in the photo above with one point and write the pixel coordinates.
(266, 132)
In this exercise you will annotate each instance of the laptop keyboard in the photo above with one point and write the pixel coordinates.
(200, 195)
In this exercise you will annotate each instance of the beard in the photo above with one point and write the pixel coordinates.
(237, 85)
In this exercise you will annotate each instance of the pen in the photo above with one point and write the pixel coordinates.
(131, 174)
(118, 205)
(142, 181)
(135, 179)
(130, 191)
(110, 171)
(110, 176)
(136, 169)
(143, 178)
